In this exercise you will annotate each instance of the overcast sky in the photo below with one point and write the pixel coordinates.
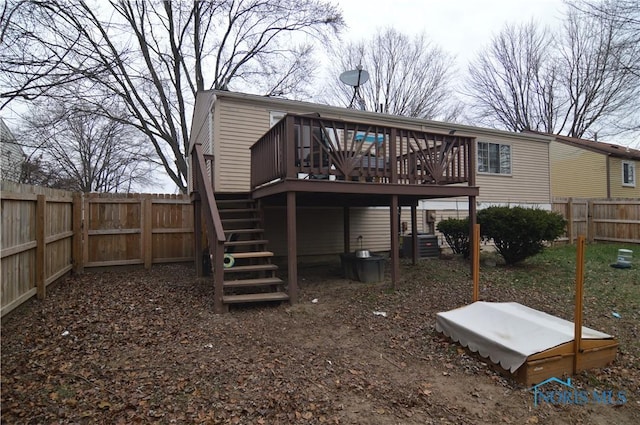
(460, 27)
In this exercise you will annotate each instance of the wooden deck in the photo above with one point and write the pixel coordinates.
(359, 164)
(307, 160)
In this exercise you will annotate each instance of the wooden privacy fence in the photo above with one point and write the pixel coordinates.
(136, 229)
(37, 241)
(613, 220)
(47, 233)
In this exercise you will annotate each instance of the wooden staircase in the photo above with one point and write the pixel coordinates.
(252, 277)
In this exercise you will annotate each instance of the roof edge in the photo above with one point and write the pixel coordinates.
(435, 125)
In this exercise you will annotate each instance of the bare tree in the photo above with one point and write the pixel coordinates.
(73, 148)
(408, 76)
(573, 83)
(622, 14)
(514, 83)
(155, 56)
(599, 87)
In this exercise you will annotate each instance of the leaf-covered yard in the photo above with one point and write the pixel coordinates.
(145, 347)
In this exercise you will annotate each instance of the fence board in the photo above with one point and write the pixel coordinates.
(613, 220)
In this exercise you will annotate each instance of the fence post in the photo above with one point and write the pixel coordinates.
(41, 205)
(86, 207)
(147, 231)
(78, 265)
(570, 232)
(591, 227)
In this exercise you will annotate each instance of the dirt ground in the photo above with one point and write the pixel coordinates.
(145, 347)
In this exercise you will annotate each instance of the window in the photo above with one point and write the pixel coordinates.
(628, 173)
(494, 158)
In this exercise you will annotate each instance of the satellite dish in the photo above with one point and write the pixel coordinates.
(355, 78)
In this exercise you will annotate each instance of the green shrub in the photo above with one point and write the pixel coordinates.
(519, 233)
(456, 233)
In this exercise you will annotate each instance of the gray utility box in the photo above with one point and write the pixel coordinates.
(427, 246)
(369, 270)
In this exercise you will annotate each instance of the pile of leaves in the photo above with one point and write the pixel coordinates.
(142, 346)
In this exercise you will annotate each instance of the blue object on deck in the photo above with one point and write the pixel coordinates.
(379, 138)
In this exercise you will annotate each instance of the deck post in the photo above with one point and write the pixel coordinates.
(414, 231)
(218, 277)
(395, 254)
(292, 254)
(289, 149)
(197, 233)
(346, 218)
(392, 154)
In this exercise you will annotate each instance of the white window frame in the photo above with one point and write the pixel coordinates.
(632, 166)
(500, 171)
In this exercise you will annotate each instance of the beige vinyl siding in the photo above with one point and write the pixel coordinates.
(239, 124)
(200, 122)
(199, 130)
(577, 172)
(529, 178)
(617, 189)
(320, 230)
(405, 216)
(238, 127)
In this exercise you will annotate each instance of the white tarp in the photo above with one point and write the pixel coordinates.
(507, 333)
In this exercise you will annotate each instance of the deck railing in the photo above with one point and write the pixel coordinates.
(307, 147)
(203, 187)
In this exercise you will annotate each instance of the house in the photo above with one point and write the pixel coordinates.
(11, 155)
(589, 169)
(327, 179)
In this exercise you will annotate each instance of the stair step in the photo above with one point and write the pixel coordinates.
(252, 282)
(239, 220)
(252, 254)
(255, 268)
(234, 201)
(252, 298)
(256, 230)
(249, 242)
(238, 210)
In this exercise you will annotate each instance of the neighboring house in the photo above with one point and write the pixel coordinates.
(11, 155)
(315, 180)
(588, 169)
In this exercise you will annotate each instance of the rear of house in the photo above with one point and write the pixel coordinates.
(512, 168)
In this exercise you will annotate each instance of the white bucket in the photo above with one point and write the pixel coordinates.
(624, 257)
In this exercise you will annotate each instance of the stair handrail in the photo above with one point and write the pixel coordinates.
(215, 231)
